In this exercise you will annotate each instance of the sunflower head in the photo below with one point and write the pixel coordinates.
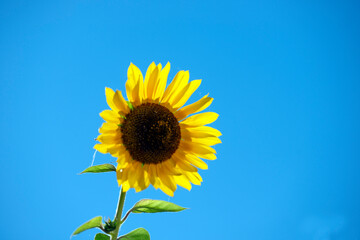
(155, 139)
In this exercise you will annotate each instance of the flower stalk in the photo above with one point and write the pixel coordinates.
(117, 219)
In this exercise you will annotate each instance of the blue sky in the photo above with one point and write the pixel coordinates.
(286, 81)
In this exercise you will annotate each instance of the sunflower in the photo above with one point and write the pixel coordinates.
(153, 137)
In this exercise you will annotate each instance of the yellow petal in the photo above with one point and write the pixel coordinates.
(138, 93)
(171, 162)
(133, 174)
(153, 79)
(183, 182)
(123, 160)
(152, 174)
(156, 176)
(209, 156)
(166, 185)
(200, 132)
(197, 162)
(101, 147)
(108, 127)
(179, 82)
(193, 108)
(166, 190)
(168, 181)
(209, 141)
(170, 169)
(122, 178)
(140, 180)
(161, 83)
(109, 93)
(194, 177)
(179, 158)
(140, 85)
(146, 178)
(132, 84)
(185, 94)
(116, 150)
(125, 186)
(196, 148)
(120, 102)
(110, 116)
(149, 71)
(119, 176)
(186, 166)
(200, 119)
(109, 138)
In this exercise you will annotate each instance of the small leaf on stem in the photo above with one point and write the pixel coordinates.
(154, 206)
(93, 223)
(107, 167)
(137, 234)
(101, 236)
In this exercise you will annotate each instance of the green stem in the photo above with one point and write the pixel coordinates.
(118, 214)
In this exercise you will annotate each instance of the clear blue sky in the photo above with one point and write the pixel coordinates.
(285, 76)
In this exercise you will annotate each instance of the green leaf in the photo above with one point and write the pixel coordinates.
(137, 234)
(93, 223)
(154, 206)
(100, 168)
(101, 236)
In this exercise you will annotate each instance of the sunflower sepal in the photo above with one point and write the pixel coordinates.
(155, 206)
(137, 234)
(131, 106)
(107, 167)
(109, 226)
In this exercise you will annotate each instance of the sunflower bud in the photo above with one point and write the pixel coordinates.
(109, 226)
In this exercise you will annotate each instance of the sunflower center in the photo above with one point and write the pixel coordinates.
(151, 133)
